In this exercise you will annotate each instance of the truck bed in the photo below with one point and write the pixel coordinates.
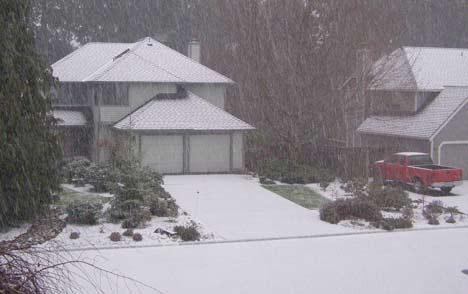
(432, 167)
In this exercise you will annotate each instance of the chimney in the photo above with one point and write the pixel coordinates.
(194, 50)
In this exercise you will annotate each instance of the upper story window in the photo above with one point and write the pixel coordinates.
(70, 94)
(114, 94)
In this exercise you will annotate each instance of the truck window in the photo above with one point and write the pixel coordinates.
(402, 160)
(420, 160)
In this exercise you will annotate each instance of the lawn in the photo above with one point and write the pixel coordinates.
(298, 194)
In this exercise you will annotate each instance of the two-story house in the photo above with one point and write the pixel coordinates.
(418, 101)
(167, 105)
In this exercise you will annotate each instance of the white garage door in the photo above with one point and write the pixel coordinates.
(209, 153)
(163, 153)
(455, 155)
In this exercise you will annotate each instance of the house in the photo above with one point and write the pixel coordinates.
(168, 106)
(418, 101)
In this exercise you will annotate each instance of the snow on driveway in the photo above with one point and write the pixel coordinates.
(237, 207)
(428, 262)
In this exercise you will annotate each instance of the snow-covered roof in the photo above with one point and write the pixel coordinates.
(144, 61)
(422, 125)
(69, 118)
(421, 68)
(181, 114)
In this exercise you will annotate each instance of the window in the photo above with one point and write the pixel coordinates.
(114, 94)
(424, 159)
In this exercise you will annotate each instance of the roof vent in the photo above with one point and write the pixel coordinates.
(121, 54)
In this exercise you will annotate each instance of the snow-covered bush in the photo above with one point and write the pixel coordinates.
(74, 235)
(83, 212)
(342, 209)
(115, 237)
(163, 207)
(74, 171)
(137, 237)
(389, 198)
(390, 224)
(137, 218)
(187, 233)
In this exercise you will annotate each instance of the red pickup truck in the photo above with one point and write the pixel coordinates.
(418, 170)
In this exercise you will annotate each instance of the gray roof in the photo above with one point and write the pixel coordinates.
(422, 125)
(181, 114)
(421, 68)
(69, 118)
(144, 61)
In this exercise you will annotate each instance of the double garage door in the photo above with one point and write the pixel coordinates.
(194, 154)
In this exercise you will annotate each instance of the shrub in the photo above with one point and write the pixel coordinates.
(74, 235)
(266, 181)
(75, 170)
(128, 233)
(187, 233)
(432, 220)
(435, 206)
(342, 209)
(390, 224)
(407, 212)
(163, 207)
(86, 213)
(450, 220)
(137, 218)
(137, 237)
(391, 198)
(115, 237)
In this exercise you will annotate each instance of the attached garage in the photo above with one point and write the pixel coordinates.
(163, 153)
(454, 154)
(187, 135)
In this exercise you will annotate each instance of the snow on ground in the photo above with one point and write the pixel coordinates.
(237, 207)
(98, 236)
(458, 198)
(428, 262)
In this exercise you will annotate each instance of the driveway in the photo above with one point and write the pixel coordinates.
(237, 207)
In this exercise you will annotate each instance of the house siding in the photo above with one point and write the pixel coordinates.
(213, 93)
(456, 130)
(396, 144)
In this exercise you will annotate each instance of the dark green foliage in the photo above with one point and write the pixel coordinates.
(187, 233)
(74, 235)
(83, 171)
(115, 237)
(74, 171)
(342, 209)
(86, 213)
(390, 224)
(29, 150)
(433, 220)
(389, 198)
(450, 220)
(163, 207)
(128, 233)
(138, 217)
(294, 173)
(137, 237)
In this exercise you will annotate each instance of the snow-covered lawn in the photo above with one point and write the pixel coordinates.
(237, 207)
(428, 262)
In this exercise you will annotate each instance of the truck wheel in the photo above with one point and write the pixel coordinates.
(446, 190)
(418, 186)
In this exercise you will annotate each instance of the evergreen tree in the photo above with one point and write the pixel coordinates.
(29, 150)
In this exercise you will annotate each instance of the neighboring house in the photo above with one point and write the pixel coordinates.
(418, 101)
(170, 106)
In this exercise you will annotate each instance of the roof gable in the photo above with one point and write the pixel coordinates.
(423, 125)
(144, 61)
(191, 113)
(421, 69)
